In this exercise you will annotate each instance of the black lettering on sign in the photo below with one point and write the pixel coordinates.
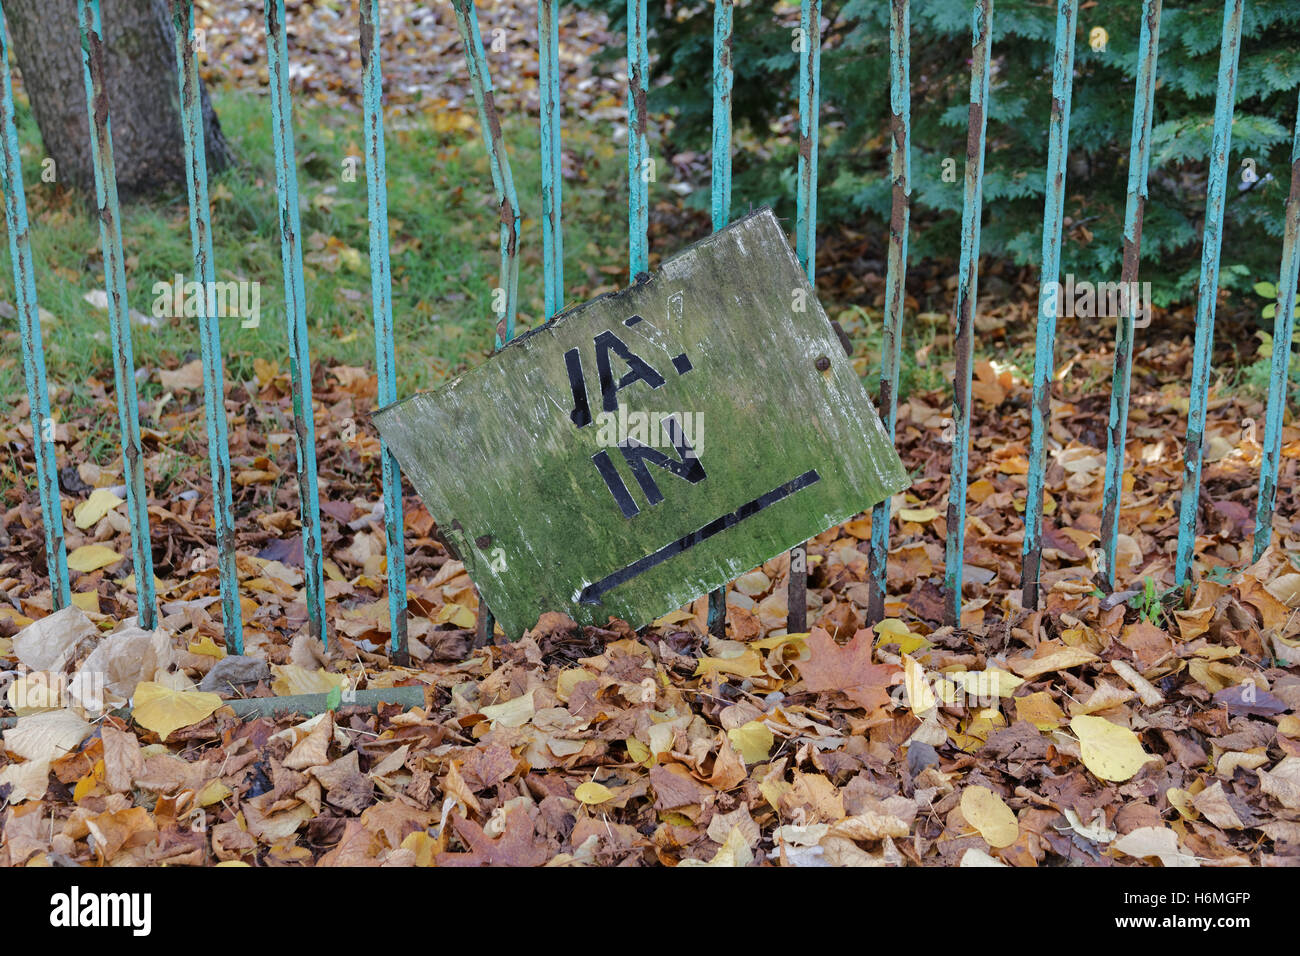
(639, 370)
(592, 592)
(615, 484)
(638, 455)
(581, 414)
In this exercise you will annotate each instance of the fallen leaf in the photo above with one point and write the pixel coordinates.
(753, 741)
(164, 710)
(92, 557)
(1159, 842)
(592, 793)
(1110, 751)
(848, 669)
(989, 814)
(101, 502)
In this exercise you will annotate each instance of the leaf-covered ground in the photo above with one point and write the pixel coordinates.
(1096, 731)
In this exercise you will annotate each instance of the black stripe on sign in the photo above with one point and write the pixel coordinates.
(592, 592)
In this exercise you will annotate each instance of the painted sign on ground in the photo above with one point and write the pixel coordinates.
(652, 444)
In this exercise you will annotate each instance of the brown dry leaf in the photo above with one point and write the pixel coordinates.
(123, 760)
(517, 846)
(121, 829)
(848, 669)
(1213, 803)
(313, 749)
(1051, 656)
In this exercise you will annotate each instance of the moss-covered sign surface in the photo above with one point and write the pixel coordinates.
(652, 444)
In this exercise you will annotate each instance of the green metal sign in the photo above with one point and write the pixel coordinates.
(650, 445)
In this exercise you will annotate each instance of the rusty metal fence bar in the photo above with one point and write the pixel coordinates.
(720, 199)
(214, 407)
(1040, 412)
(900, 172)
(381, 297)
(1283, 323)
(295, 310)
(640, 174)
(1139, 161)
(964, 309)
(1208, 290)
(110, 237)
(29, 323)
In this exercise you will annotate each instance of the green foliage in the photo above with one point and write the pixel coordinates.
(1147, 603)
(854, 161)
(442, 228)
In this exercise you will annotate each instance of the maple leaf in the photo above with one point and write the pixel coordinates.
(517, 846)
(848, 669)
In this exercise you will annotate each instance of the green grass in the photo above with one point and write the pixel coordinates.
(443, 229)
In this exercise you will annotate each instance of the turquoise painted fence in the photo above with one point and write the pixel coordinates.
(639, 164)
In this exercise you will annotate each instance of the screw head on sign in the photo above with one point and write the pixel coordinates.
(822, 363)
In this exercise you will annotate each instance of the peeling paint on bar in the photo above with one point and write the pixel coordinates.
(900, 161)
(720, 200)
(810, 62)
(110, 237)
(295, 310)
(1040, 410)
(548, 56)
(965, 305)
(214, 406)
(723, 79)
(638, 151)
(481, 82)
(381, 296)
(805, 237)
(1208, 288)
(1139, 158)
(493, 140)
(1283, 323)
(29, 324)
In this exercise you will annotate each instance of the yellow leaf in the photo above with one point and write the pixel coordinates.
(422, 845)
(919, 515)
(753, 741)
(734, 852)
(1040, 710)
(87, 601)
(164, 710)
(747, 664)
(92, 557)
(462, 617)
(1110, 751)
(88, 783)
(513, 713)
(100, 503)
(214, 792)
(291, 679)
(988, 813)
(208, 646)
(984, 684)
(919, 695)
(638, 751)
(592, 793)
(569, 679)
(893, 631)
(1181, 801)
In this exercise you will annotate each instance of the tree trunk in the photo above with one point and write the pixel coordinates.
(143, 93)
